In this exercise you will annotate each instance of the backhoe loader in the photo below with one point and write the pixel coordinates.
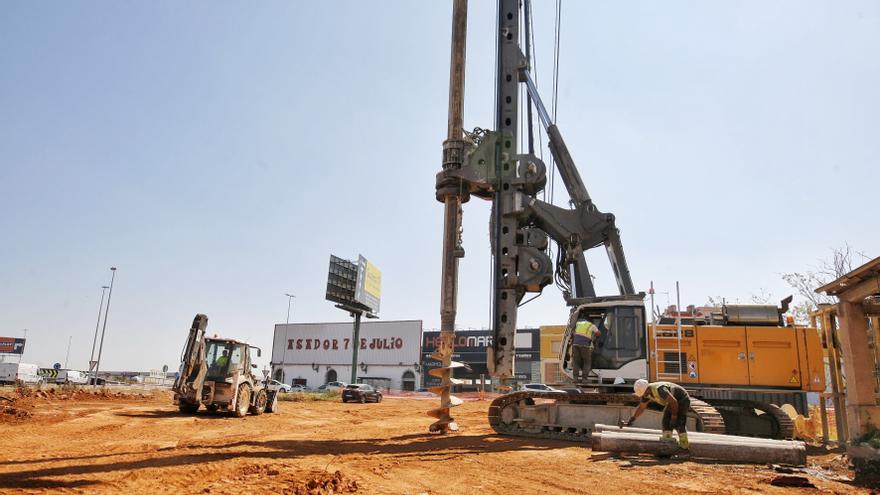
(218, 373)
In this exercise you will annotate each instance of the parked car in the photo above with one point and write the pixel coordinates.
(298, 388)
(361, 392)
(570, 390)
(280, 387)
(539, 387)
(331, 386)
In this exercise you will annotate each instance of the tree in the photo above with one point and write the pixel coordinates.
(806, 283)
(763, 297)
(714, 302)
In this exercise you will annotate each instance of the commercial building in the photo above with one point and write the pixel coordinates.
(551, 344)
(470, 348)
(313, 354)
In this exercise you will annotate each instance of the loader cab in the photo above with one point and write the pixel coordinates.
(225, 357)
(620, 351)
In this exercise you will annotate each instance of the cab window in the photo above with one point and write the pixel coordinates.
(622, 339)
(235, 359)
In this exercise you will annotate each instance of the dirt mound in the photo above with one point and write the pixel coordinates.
(19, 404)
(323, 483)
(283, 478)
(16, 406)
(78, 393)
(13, 413)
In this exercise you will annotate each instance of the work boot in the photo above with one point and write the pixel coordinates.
(683, 441)
(667, 435)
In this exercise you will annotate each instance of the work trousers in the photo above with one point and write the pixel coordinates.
(581, 362)
(680, 424)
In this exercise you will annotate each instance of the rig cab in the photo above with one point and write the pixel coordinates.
(619, 354)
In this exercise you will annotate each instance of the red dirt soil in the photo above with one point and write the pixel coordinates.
(114, 443)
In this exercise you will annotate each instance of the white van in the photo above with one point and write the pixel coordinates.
(24, 372)
(76, 377)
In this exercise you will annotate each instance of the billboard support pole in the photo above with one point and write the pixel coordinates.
(355, 287)
(356, 345)
(22, 349)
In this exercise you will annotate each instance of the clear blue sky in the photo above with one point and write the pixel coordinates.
(218, 152)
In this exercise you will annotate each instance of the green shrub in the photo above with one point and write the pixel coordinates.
(310, 396)
(871, 437)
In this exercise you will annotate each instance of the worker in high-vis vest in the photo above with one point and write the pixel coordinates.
(583, 340)
(223, 360)
(675, 401)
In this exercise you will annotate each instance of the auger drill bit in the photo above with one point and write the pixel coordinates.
(444, 422)
(452, 193)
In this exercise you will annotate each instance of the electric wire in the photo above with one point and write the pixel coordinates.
(527, 25)
(558, 28)
(562, 274)
(555, 98)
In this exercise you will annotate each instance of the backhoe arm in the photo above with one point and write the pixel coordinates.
(193, 365)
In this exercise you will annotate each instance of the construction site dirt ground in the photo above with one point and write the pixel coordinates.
(113, 443)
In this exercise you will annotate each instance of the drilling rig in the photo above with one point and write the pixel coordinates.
(489, 165)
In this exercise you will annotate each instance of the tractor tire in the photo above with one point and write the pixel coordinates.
(188, 408)
(243, 402)
(272, 403)
(259, 403)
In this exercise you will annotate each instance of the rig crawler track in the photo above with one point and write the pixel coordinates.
(775, 423)
(505, 414)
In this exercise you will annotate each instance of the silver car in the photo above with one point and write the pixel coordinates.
(280, 387)
(539, 387)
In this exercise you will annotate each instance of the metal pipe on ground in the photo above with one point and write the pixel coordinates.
(702, 447)
(692, 434)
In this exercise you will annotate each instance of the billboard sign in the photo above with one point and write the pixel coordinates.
(341, 281)
(11, 345)
(368, 290)
(470, 348)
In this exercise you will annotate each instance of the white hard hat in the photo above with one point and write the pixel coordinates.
(640, 386)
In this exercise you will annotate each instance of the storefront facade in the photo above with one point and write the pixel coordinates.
(313, 354)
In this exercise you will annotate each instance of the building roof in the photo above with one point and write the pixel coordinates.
(864, 273)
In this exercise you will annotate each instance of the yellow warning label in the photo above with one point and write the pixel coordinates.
(793, 380)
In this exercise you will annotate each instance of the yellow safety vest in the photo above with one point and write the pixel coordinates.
(585, 329)
(653, 392)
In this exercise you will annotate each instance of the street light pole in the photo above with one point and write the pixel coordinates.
(104, 328)
(289, 300)
(286, 330)
(97, 325)
(67, 356)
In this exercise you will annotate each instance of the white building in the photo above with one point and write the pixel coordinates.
(313, 354)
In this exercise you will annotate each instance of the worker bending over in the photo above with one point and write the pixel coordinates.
(675, 401)
(583, 341)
